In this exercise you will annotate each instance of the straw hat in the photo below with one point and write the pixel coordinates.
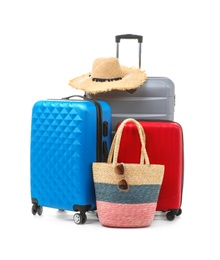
(107, 75)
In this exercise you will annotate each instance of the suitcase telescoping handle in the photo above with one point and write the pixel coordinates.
(129, 36)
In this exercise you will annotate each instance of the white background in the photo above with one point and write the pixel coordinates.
(43, 44)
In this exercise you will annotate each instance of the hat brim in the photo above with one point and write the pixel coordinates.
(133, 78)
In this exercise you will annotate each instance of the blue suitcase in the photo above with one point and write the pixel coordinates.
(67, 136)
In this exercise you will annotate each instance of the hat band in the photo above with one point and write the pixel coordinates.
(103, 79)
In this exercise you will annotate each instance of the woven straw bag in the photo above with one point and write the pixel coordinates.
(127, 194)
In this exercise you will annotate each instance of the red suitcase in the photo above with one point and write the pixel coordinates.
(164, 144)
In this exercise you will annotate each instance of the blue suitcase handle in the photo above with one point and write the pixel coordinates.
(83, 97)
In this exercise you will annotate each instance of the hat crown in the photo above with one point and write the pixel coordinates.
(106, 68)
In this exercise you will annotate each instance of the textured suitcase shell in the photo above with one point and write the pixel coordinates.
(63, 148)
(155, 100)
(164, 144)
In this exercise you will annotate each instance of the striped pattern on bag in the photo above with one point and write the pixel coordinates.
(126, 215)
(137, 194)
(132, 207)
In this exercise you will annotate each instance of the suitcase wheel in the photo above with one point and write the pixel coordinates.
(179, 212)
(172, 213)
(80, 218)
(37, 209)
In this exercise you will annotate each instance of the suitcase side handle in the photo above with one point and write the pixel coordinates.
(129, 36)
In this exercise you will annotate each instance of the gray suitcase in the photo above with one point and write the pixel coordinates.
(154, 100)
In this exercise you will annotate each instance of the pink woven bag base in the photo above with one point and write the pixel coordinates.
(125, 215)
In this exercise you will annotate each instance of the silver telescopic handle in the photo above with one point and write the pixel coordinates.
(129, 36)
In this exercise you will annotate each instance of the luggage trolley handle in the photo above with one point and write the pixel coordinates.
(129, 36)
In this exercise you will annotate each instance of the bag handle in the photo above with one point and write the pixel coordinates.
(113, 154)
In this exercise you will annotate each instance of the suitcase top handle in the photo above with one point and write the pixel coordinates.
(76, 96)
(129, 36)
